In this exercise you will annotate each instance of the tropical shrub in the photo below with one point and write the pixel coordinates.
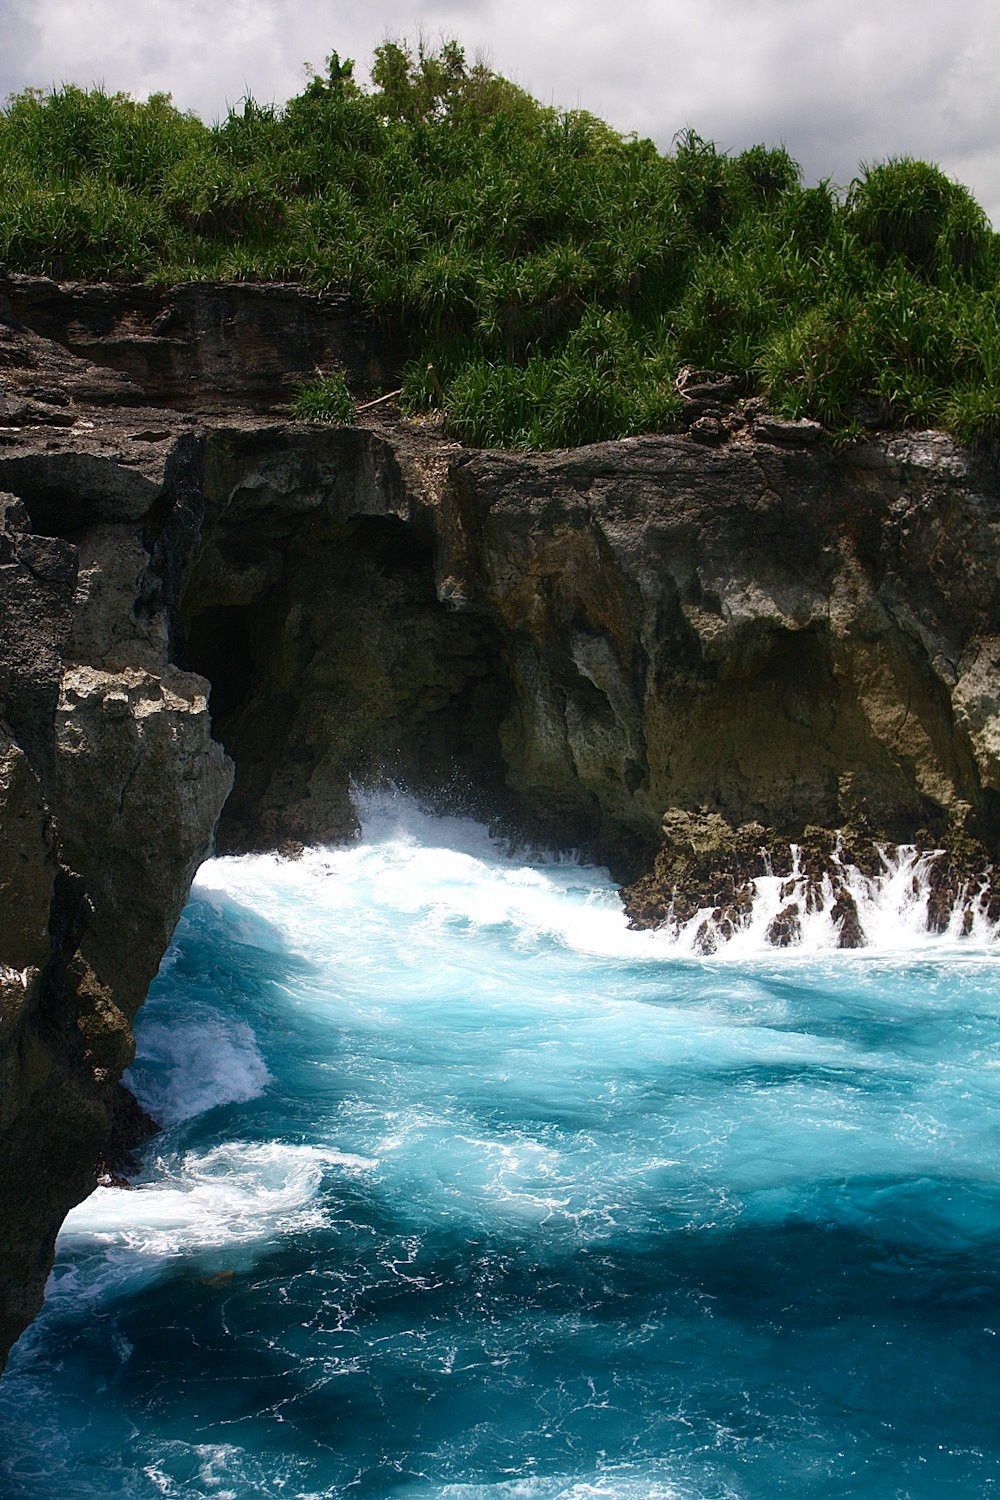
(550, 275)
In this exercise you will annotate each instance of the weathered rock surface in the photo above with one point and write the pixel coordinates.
(204, 344)
(676, 652)
(110, 786)
(784, 635)
(791, 636)
(704, 880)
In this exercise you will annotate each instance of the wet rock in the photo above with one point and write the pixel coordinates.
(702, 863)
(706, 940)
(786, 928)
(844, 912)
(111, 1180)
(960, 881)
(131, 1127)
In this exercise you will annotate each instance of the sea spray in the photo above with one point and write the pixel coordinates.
(888, 909)
(712, 884)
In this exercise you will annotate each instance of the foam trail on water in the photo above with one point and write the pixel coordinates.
(230, 1195)
(457, 944)
(618, 1485)
(445, 871)
(452, 871)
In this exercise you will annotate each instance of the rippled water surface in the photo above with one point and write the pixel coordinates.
(465, 1191)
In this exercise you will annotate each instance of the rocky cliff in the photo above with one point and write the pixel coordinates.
(682, 652)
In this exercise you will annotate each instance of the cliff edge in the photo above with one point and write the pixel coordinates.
(684, 653)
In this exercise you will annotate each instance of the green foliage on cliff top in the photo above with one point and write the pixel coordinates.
(555, 274)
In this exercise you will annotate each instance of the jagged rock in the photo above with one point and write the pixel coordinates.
(702, 863)
(708, 430)
(15, 412)
(786, 928)
(110, 785)
(844, 912)
(131, 1126)
(962, 879)
(130, 748)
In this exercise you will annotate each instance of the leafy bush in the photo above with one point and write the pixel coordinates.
(905, 210)
(553, 274)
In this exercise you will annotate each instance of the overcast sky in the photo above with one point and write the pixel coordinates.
(838, 83)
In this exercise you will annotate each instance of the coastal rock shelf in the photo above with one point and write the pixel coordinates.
(665, 651)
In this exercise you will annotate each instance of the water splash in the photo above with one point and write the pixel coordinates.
(915, 896)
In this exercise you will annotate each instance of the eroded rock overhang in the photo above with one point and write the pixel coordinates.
(588, 640)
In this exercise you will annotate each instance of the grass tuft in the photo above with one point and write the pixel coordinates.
(324, 400)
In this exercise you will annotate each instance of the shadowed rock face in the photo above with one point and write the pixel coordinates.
(110, 784)
(658, 649)
(312, 607)
(208, 344)
(790, 636)
(785, 636)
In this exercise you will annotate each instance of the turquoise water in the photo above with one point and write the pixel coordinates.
(465, 1191)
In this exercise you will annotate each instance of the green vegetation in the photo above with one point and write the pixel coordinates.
(554, 274)
(327, 399)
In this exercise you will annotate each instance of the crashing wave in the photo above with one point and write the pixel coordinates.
(713, 885)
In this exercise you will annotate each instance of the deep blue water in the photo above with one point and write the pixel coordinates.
(468, 1192)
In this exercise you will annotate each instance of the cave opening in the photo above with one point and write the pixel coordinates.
(218, 646)
(341, 668)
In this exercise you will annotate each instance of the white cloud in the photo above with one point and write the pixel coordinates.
(837, 83)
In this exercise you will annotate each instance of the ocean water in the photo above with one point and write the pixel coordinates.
(466, 1192)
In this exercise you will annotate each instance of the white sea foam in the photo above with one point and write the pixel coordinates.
(184, 1068)
(891, 910)
(416, 864)
(233, 1194)
(435, 955)
(473, 1103)
(224, 1471)
(452, 872)
(617, 1485)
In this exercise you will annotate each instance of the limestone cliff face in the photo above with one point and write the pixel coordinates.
(596, 646)
(110, 786)
(773, 633)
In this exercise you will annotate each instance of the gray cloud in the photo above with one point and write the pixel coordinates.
(838, 85)
(23, 38)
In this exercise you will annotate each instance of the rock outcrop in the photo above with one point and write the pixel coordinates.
(775, 633)
(110, 786)
(204, 345)
(670, 651)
